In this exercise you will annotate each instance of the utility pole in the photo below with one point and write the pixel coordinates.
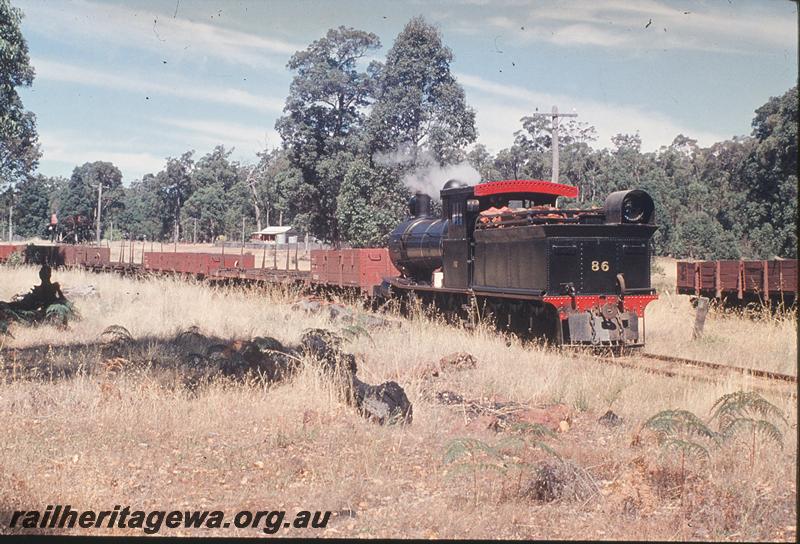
(11, 221)
(99, 208)
(194, 234)
(242, 252)
(555, 116)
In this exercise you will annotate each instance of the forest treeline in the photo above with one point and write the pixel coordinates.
(357, 135)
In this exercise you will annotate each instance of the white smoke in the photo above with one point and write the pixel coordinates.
(428, 177)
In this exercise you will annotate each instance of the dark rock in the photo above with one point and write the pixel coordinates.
(459, 360)
(267, 343)
(340, 312)
(386, 403)
(376, 322)
(192, 341)
(273, 364)
(326, 346)
(449, 398)
(321, 343)
(347, 363)
(219, 351)
(307, 306)
(546, 485)
(610, 419)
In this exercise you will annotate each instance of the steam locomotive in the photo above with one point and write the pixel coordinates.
(503, 248)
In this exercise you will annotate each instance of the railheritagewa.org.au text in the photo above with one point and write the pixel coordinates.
(153, 521)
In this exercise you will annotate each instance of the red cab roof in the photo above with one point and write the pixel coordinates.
(526, 186)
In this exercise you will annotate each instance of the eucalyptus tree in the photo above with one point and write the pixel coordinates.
(420, 111)
(323, 116)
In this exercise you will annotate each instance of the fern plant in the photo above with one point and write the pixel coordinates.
(8, 315)
(473, 455)
(352, 332)
(746, 411)
(61, 313)
(735, 414)
(681, 430)
(533, 434)
(116, 333)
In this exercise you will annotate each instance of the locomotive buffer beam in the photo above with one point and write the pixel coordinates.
(606, 325)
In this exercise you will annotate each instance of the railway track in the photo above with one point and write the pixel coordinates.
(705, 371)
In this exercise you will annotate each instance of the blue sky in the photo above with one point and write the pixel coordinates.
(136, 81)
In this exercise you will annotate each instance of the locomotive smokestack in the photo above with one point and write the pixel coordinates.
(420, 205)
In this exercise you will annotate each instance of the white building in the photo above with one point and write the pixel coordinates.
(279, 235)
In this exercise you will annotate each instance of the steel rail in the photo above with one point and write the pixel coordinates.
(683, 368)
(718, 366)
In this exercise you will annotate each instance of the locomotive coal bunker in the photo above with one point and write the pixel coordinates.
(577, 276)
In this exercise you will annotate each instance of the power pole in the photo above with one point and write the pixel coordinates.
(11, 221)
(99, 208)
(555, 116)
(242, 252)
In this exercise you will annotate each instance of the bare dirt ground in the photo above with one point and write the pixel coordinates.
(93, 435)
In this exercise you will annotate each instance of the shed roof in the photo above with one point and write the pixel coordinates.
(273, 230)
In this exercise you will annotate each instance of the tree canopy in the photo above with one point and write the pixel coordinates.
(420, 109)
(19, 148)
(323, 116)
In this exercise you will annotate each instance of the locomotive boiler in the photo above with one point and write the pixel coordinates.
(578, 276)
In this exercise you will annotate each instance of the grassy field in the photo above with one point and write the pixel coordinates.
(132, 436)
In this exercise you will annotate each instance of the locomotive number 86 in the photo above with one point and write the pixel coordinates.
(578, 277)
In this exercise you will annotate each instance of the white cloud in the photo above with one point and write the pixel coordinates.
(497, 121)
(247, 139)
(63, 152)
(64, 72)
(169, 36)
(650, 24)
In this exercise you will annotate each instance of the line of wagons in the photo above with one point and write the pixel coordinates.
(359, 269)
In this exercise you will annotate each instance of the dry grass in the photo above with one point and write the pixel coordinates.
(134, 440)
